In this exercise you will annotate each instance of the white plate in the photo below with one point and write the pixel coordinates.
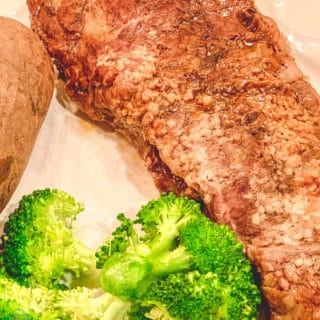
(101, 169)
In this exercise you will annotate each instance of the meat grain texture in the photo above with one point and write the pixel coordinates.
(210, 95)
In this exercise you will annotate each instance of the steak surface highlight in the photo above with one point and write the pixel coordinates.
(210, 95)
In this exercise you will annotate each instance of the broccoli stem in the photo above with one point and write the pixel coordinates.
(87, 275)
(117, 310)
(128, 275)
(172, 261)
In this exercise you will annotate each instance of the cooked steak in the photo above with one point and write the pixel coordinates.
(210, 95)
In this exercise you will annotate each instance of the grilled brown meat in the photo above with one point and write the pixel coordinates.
(209, 94)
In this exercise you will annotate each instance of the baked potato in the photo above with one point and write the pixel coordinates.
(26, 89)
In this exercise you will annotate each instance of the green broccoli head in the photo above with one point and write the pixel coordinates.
(192, 295)
(214, 247)
(131, 262)
(40, 303)
(38, 244)
(162, 219)
(219, 285)
(10, 309)
(19, 302)
(90, 304)
(182, 266)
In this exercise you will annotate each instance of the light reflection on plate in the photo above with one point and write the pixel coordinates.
(300, 17)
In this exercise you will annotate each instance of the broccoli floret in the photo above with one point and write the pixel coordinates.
(10, 309)
(182, 266)
(120, 240)
(130, 263)
(171, 263)
(195, 295)
(38, 244)
(91, 304)
(19, 302)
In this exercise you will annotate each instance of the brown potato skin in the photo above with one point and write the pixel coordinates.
(26, 89)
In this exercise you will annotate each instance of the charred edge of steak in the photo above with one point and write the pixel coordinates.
(165, 180)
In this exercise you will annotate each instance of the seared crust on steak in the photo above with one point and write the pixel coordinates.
(210, 95)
